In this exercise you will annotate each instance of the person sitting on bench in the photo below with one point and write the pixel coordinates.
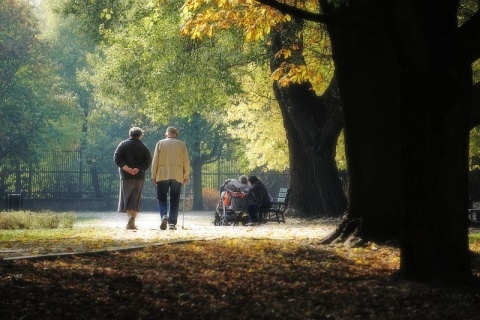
(261, 200)
(235, 185)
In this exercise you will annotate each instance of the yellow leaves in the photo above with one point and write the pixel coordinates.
(376, 258)
(248, 36)
(267, 29)
(277, 74)
(283, 54)
(267, 140)
(303, 280)
(196, 34)
(291, 73)
(225, 4)
(361, 261)
(254, 19)
(210, 31)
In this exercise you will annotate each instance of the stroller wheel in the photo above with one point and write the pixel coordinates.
(226, 220)
(216, 221)
(244, 220)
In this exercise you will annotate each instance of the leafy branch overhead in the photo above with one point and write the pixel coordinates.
(256, 22)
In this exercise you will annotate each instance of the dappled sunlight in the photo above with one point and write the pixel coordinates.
(98, 231)
(228, 278)
(274, 271)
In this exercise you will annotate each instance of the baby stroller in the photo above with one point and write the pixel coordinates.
(230, 210)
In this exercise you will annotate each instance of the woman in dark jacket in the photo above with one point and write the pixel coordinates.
(261, 198)
(132, 158)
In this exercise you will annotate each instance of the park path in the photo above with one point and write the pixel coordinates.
(95, 232)
(199, 224)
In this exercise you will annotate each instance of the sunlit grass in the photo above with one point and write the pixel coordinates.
(474, 237)
(28, 220)
(474, 242)
(38, 234)
(83, 233)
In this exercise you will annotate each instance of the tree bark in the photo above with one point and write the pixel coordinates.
(197, 185)
(435, 122)
(406, 131)
(95, 181)
(204, 142)
(418, 61)
(369, 87)
(475, 105)
(313, 124)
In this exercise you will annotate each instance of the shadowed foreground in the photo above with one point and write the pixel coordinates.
(228, 279)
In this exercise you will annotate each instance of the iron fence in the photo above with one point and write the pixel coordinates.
(69, 175)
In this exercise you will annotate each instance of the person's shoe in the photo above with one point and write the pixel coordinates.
(172, 227)
(163, 225)
(249, 224)
(131, 224)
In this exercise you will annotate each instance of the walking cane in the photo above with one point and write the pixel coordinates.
(183, 218)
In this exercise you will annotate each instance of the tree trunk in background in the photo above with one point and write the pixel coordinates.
(313, 124)
(95, 181)
(304, 195)
(197, 186)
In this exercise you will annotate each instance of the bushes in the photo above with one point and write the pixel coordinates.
(35, 220)
(211, 197)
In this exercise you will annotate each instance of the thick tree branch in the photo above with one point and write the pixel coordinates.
(294, 11)
(316, 17)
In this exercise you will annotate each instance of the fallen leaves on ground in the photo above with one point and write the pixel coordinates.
(228, 278)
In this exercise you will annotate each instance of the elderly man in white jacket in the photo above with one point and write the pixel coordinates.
(170, 169)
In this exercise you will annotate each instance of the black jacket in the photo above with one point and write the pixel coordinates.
(135, 154)
(260, 195)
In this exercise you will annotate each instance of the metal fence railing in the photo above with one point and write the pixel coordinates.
(67, 175)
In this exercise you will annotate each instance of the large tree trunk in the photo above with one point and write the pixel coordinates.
(406, 131)
(435, 123)
(475, 105)
(368, 78)
(313, 124)
(302, 179)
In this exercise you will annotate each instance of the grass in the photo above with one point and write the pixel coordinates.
(22, 236)
(474, 237)
(28, 220)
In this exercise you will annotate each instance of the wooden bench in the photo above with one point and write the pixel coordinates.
(275, 213)
(473, 210)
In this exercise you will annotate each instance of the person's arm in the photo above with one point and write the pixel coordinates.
(147, 159)
(155, 163)
(253, 192)
(117, 156)
(236, 183)
(186, 166)
(120, 160)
